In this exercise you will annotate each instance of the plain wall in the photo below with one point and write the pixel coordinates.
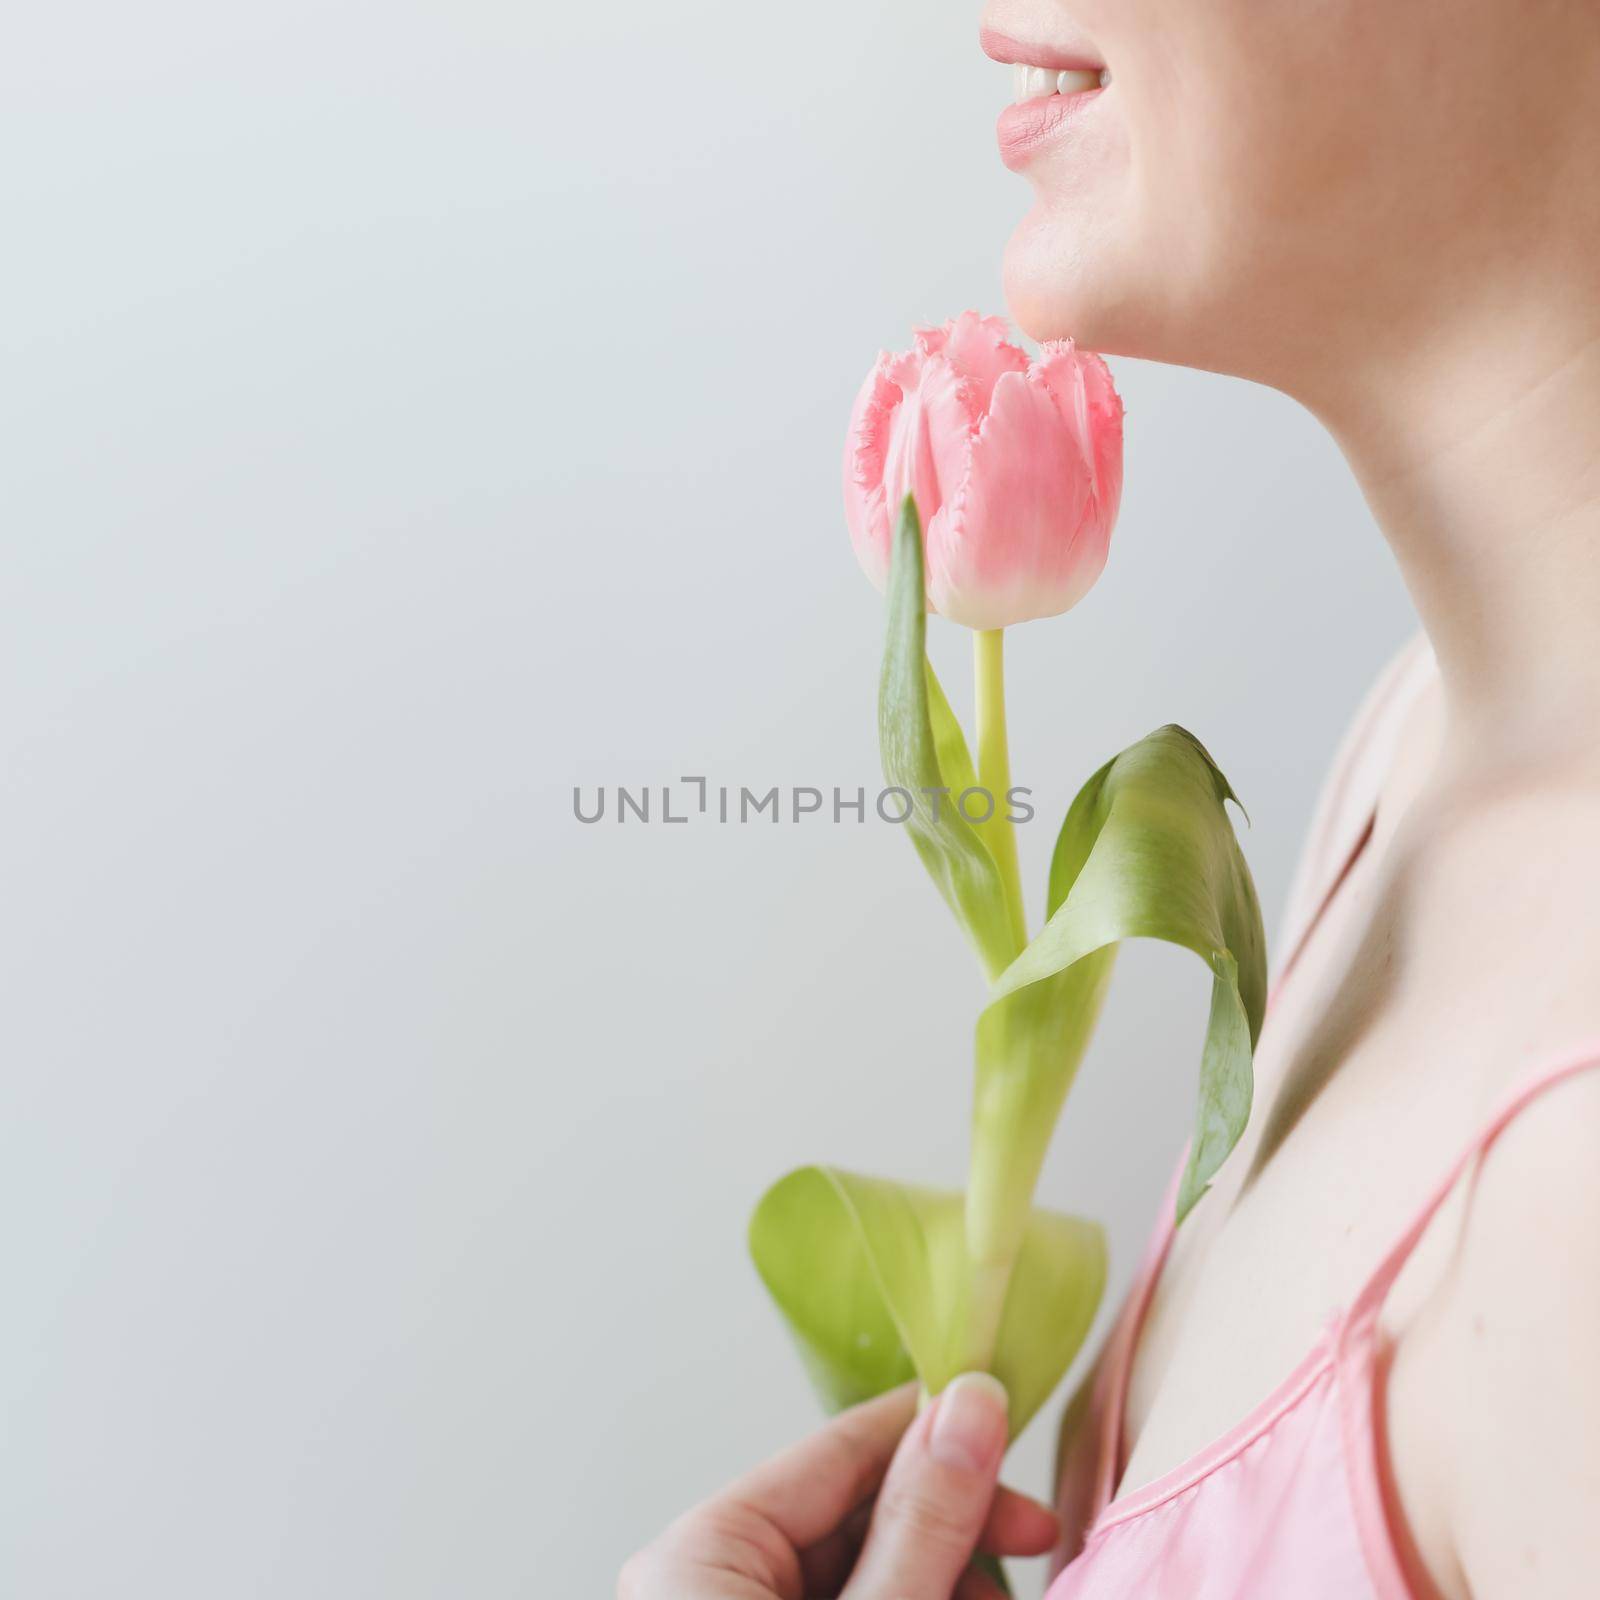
(410, 412)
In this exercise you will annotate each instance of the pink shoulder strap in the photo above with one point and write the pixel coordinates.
(1364, 1309)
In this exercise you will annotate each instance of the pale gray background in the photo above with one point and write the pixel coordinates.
(412, 410)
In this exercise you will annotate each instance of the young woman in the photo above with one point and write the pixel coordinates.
(1369, 1363)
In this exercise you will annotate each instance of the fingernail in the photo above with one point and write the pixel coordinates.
(969, 1423)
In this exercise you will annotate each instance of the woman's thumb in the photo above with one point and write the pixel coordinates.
(936, 1496)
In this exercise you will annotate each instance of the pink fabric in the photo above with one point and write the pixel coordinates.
(1294, 1500)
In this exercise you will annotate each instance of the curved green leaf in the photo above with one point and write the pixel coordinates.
(1147, 851)
(872, 1278)
(925, 755)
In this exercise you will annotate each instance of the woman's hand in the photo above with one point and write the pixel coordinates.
(878, 1505)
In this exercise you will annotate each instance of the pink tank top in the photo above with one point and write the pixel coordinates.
(1294, 1501)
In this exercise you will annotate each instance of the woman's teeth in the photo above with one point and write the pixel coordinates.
(1028, 83)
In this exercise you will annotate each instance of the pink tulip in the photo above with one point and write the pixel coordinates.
(1016, 466)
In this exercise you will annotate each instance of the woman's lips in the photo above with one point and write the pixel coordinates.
(1024, 128)
(1076, 52)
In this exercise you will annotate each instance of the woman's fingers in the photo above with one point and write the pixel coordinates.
(827, 1564)
(936, 1496)
(811, 1488)
(1018, 1525)
(977, 1585)
(807, 1520)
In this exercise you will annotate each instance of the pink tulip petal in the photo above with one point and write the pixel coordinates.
(1025, 536)
(1081, 383)
(931, 436)
(866, 448)
(977, 348)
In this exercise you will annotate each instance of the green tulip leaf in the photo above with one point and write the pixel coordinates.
(949, 742)
(1147, 851)
(926, 757)
(872, 1278)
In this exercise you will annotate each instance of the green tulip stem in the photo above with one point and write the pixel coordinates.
(996, 1213)
(994, 773)
(988, 1283)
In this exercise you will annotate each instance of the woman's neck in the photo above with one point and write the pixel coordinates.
(1483, 471)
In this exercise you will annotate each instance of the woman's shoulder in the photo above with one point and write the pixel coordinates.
(1503, 945)
(1507, 1373)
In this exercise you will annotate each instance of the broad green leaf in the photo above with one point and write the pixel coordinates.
(1147, 851)
(811, 1257)
(872, 1278)
(925, 756)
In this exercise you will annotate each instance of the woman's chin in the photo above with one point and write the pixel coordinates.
(1057, 285)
